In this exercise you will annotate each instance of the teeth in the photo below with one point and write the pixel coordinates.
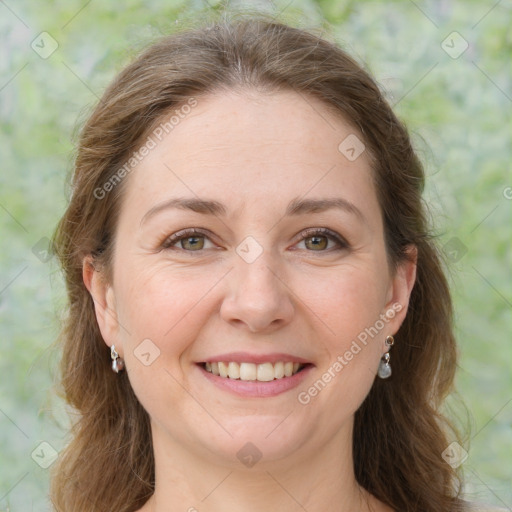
(279, 370)
(223, 369)
(247, 371)
(263, 372)
(233, 371)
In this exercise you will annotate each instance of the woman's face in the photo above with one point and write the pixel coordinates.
(247, 286)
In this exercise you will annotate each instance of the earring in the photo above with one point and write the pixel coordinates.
(117, 362)
(384, 367)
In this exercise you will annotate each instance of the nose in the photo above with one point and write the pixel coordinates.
(259, 298)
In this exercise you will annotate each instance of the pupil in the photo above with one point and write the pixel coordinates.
(194, 240)
(317, 241)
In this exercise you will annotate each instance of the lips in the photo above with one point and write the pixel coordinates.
(246, 357)
(254, 367)
(256, 388)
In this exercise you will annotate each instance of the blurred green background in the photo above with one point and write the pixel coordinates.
(445, 66)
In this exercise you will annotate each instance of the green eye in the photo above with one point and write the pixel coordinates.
(315, 240)
(320, 239)
(191, 240)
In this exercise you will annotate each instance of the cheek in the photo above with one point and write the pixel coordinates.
(354, 300)
(352, 307)
(165, 311)
(352, 336)
(161, 314)
(159, 305)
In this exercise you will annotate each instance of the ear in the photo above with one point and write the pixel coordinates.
(103, 296)
(400, 290)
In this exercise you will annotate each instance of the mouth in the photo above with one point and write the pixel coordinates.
(258, 372)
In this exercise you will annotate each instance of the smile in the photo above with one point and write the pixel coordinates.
(263, 372)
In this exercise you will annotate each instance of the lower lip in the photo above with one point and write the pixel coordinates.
(255, 388)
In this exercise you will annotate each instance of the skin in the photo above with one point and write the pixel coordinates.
(254, 153)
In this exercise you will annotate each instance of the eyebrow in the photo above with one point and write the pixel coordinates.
(296, 206)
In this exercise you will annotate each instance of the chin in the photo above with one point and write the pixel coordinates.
(258, 439)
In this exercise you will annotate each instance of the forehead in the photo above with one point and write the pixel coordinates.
(250, 147)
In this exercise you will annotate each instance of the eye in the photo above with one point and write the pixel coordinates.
(317, 239)
(191, 240)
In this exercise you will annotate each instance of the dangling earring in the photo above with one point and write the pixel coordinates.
(384, 366)
(117, 362)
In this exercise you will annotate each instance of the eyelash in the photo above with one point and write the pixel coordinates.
(306, 233)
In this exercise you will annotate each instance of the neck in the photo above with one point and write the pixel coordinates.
(319, 481)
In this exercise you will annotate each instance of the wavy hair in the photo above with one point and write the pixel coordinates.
(399, 432)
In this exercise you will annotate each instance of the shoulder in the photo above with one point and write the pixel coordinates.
(473, 506)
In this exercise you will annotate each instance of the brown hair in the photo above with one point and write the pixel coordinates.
(399, 433)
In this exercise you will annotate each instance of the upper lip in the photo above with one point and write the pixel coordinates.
(245, 357)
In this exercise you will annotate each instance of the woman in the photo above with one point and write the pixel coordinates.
(258, 316)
